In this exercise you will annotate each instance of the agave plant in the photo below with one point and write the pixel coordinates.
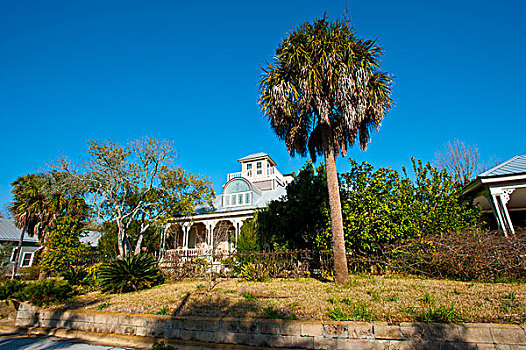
(129, 274)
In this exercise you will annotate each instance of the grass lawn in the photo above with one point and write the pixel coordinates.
(365, 298)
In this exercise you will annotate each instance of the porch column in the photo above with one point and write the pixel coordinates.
(163, 237)
(500, 197)
(186, 231)
(210, 237)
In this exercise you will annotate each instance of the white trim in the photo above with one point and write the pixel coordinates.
(503, 178)
(30, 259)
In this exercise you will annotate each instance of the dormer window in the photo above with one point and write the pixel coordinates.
(237, 193)
(249, 169)
(259, 168)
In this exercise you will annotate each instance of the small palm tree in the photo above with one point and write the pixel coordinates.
(323, 92)
(27, 209)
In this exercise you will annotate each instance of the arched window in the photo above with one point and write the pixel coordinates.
(237, 193)
(237, 186)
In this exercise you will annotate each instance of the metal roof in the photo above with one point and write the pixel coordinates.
(8, 232)
(516, 165)
(257, 156)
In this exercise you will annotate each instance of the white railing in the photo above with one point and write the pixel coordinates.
(269, 172)
(183, 253)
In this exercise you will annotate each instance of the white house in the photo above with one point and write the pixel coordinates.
(502, 190)
(258, 183)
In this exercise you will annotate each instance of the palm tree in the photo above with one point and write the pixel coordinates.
(322, 93)
(27, 209)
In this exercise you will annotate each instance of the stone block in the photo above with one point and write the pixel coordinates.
(311, 329)
(475, 334)
(205, 336)
(201, 325)
(325, 343)
(249, 326)
(269, 327)
(335, 329)
(290, 328)
(444, 332)
(361, 344)
(263, 340)
(360, 330)
(187, 335)
(229, 326)
(385, 331)
(412, 345)
(414, 330)
(508, 335)
(232, 338)
(173, 333)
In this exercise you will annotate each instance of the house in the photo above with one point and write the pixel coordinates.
(502, 191)
(9, 234)
(258, 183)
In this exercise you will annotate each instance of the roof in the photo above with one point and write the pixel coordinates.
(265, 198)
(8, 232)
(91, 238)
(514, 166)
(256, 156)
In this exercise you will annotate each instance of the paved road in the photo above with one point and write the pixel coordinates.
(46, 343)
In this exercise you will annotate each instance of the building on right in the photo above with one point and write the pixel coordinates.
(502, 191)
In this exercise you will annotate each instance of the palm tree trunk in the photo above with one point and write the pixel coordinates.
(341, 272)
(17, 253)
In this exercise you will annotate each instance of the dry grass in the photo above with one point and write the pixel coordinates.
(381, 298)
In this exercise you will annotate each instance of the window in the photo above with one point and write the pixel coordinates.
(27, 259)
(259, 168)
(13, 255)
(249, 169)
(237, 193)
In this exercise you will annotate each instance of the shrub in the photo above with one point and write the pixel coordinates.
(129, 274)
(10, 288)
(255, 272)
(75, 275)
(465, 256)
(30, 273)
(63, 244)
(50, 291)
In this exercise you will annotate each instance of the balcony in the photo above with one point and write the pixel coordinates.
(265, 173)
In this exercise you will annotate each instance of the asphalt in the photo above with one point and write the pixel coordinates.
(46, 343)
(32, 338)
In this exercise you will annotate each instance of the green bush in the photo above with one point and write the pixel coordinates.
(76, 275)
(129, 274)
(30, 273)
(50, 291)
(10, 288)
(255, 272)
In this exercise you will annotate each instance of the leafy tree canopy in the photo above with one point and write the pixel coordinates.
(137, 183)
(379, 206)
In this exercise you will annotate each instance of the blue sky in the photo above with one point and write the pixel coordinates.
(73, 71)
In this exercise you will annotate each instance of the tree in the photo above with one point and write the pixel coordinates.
(461, 161)
(63, 245)
(138, 184)
(26, 208)
(41, 199)
(323, 92)
(295, 220)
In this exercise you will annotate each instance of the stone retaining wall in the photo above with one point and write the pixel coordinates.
(282, 333)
